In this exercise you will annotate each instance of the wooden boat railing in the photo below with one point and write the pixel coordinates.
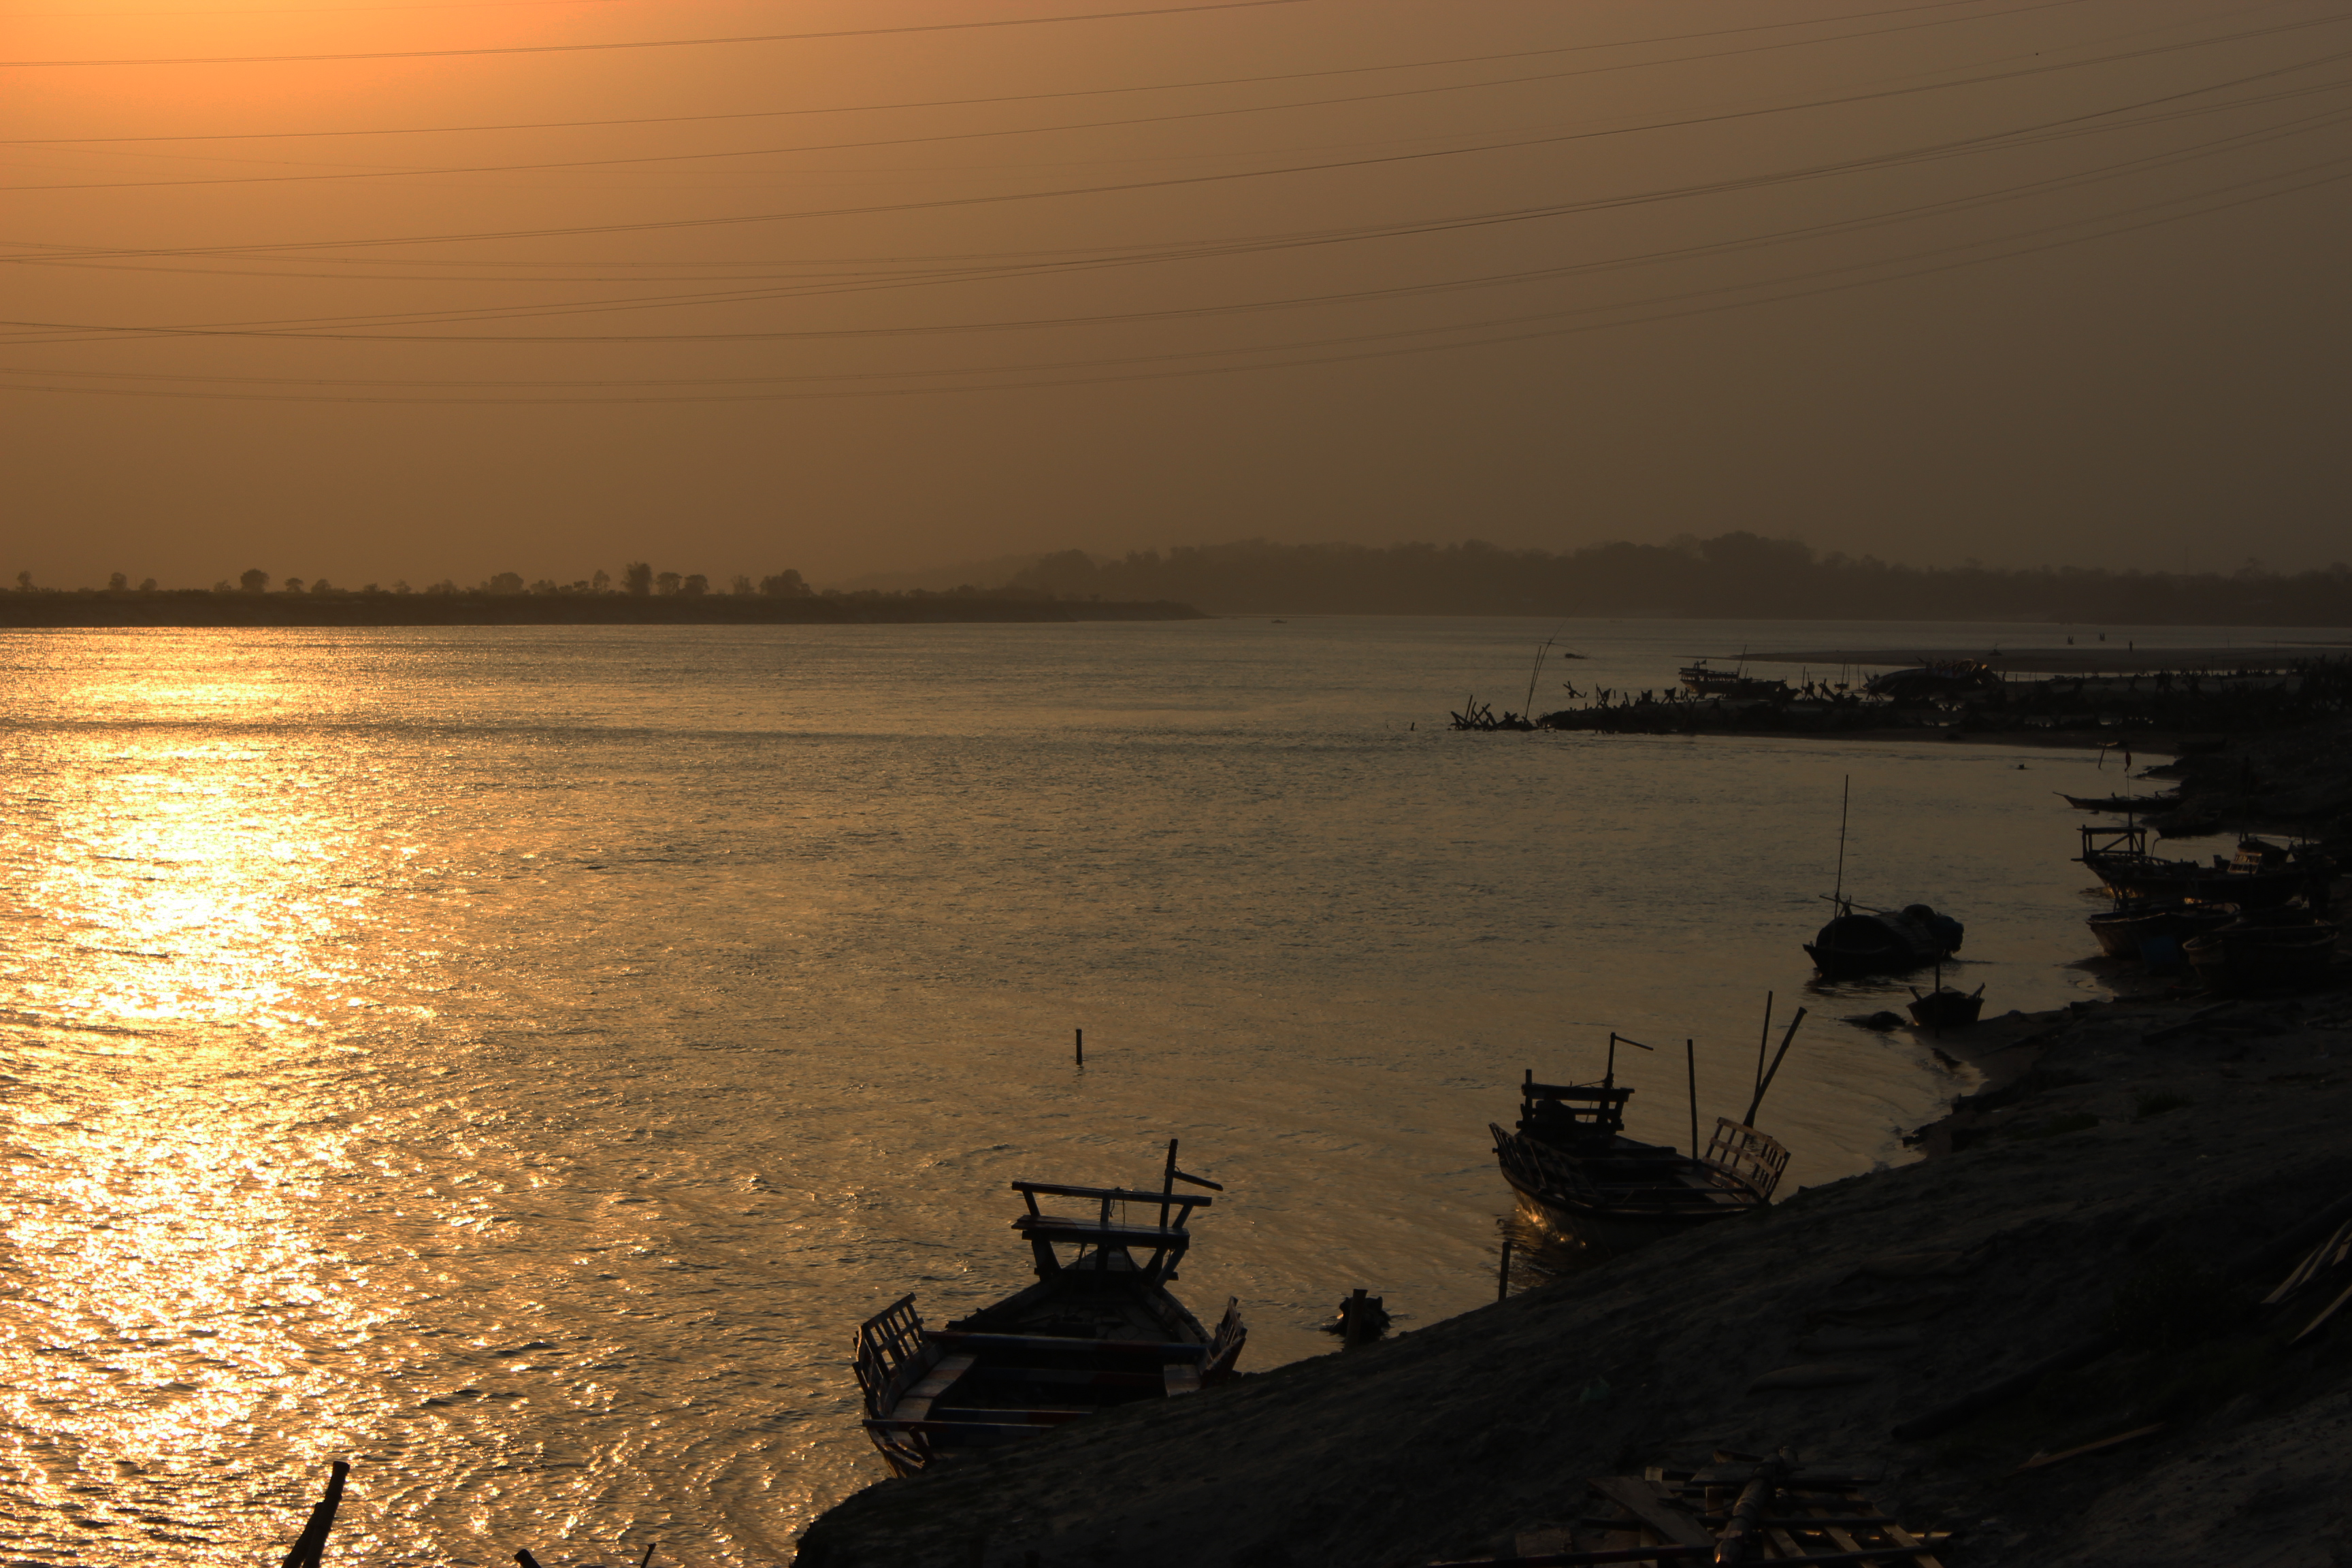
(1167, 1238)
(1754, 1160)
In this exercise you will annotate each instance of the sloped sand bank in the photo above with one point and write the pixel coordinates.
(2111, 1187)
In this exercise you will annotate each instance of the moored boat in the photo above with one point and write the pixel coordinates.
(2259, 876)
(1863, 940)
(1574, 1170)
(2122, 803)
(1098, 1328)
(1947, 1008)
(2153, 930)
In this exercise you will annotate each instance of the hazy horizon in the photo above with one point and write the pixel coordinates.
(2043, 283)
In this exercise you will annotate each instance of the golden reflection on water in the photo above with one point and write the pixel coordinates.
(182, 913)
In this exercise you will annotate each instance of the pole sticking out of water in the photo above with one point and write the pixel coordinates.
(1845, 794)
(1082, 1047)
(1777, 1058)
(1690, 1059)
(1503, 1274)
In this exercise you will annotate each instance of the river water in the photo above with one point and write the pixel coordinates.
(514, 1059)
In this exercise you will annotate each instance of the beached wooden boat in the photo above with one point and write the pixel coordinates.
(2153, 930)
(1573, 1168)
(1098, 1328)
(2260, 876)
(1863, 940)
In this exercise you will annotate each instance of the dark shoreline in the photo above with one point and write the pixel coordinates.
(196, 607)
(2100, 1187)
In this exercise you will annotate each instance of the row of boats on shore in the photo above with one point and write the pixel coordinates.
(1100, 1326)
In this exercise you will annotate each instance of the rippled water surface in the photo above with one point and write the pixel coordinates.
(514, 1059)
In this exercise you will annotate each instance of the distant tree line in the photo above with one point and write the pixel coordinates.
(638, 578)
(1731, 575)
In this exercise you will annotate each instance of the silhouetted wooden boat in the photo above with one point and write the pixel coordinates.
(1096, 1329)
(1863, 940)
(1947, 1008)
(2259, 876)
(2134, 926)
(2272, 949)
(1573, 1168)
(2142, 804)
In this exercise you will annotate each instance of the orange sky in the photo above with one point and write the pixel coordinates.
(2024, 280)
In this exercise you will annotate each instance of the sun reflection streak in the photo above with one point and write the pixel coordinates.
(188, 919)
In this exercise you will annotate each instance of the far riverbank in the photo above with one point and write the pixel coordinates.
(198, 607)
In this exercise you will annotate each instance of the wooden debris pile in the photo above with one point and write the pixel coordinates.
(1742, 1508)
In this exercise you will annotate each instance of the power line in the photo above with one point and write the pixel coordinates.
(1715, 249)
(1102, 92)
(2028, 135)
(1516, 337)
(944, 203)
(656, 43)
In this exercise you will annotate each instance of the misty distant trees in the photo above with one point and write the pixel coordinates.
(1738, 574)
(637, 578)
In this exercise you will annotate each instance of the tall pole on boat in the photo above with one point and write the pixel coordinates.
(1763, 1041)
(1845, 797)
(1527, 708)
(1690, 1058)
(1168, 1183)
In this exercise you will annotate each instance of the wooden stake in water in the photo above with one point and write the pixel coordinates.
(1082, 1047)
(1773, 1071)
(1503, 1274)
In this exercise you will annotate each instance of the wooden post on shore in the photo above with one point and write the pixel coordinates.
(1503, 1274)
(1082, 1047)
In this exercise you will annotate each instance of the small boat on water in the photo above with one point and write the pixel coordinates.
(2142, 804)
(1098, 1328)
(1860, 941)
(1574, 1170)
(1947, 1008)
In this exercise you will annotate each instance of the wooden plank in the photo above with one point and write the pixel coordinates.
(1111, 1194)
(1067, 1345)
(2038, 1460)
(1071, 1376)
(916, 1403)
(1055, 1227)
(1661, 1513)
(2326, 1312)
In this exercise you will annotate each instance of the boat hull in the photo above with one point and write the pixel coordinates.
(1622, 1194)
(1854, 945)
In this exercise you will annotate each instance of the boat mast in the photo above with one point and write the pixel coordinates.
(1845, 796)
